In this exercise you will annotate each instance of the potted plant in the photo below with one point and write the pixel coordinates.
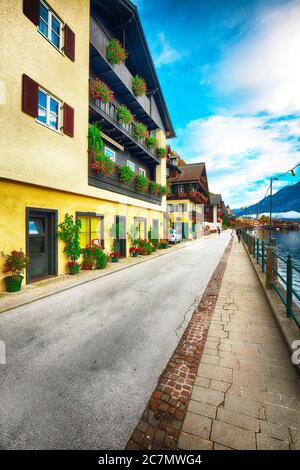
(101, 258)
(161, 152)
(88, 258)
(94, 138)
(151, 142)
(140, 131)
(69, 232)
(15, 263)
(134, 251)
(145, 247)
(126, 174)
(163, 190)
(124, 115)
(163, 244)
(154, 187)
(100, 91)
(139, 86)
(115, 52)
(141, 183)
(114, 256)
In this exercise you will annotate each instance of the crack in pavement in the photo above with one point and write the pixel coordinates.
(190, 311)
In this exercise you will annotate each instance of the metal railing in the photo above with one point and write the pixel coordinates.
(285, 289)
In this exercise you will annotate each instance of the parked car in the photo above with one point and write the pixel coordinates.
(174, 237)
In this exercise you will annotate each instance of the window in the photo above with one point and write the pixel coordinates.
(142, 172)
(180, 188)
(48, 110)
(50, 26)
(110, 153)
(131, 165)
(92, 228)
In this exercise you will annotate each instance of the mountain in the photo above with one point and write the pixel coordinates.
(286, 199)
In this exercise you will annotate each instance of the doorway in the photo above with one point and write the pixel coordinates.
(120, 243)
(41, 243)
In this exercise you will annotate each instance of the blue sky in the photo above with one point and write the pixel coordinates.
(230, 72)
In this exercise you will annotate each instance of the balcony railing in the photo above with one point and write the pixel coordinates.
(100, 40)
(110, 109)
(112, 182)
(194, 196)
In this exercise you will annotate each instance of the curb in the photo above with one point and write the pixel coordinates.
(103, 274)
(160, 425)
(285, 324)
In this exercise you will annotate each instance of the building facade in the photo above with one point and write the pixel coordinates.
(214, 212)
(46, 171)
(187, 197)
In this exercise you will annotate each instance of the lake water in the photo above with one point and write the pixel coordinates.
(288, 243)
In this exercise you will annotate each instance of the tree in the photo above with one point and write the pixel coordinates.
(264, 220)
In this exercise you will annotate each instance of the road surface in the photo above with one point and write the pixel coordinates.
(81, 364)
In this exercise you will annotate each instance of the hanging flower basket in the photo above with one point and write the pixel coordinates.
(100, 91)
(140, 131)
(115, 52)
(139, 86)
(124, 115)
(161, 152)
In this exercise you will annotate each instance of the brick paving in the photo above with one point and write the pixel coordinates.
(246, 392)
(161, 422)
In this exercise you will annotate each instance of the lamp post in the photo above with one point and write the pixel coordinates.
(271, 194)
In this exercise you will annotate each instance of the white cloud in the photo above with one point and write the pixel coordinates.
(240, 152)
(263, 68)
(167, 54)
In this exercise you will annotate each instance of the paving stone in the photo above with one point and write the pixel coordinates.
(203, 409)
(275, 430)
(282, 415)
(207, 395)
(282, 386)
(250, 379)
(221, 386)
(220, 447)
(215, 372)
(197, 425)
(238, 419)
(232, 363)
(268, 443)
(244, 405)
(209, 359)
(202, 382)
(190, 442)
(232, 436)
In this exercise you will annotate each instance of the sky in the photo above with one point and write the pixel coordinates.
(230, 74)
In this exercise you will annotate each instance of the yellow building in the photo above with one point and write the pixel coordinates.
(51, 52)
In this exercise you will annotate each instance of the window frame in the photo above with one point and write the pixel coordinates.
(142, 172)
(129, 163)
(51, 15)
(89, 216)
(113, 157)
(49, 96)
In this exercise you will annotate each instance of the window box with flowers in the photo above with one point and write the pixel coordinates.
(141, 183)
(100, 91)
(163, 190)
(139, 86)
(101, 163)
(15, 263)
(124, 115)
(161, 152)
(115, 52)
(126, 174)
(151, 142)
(140, 131)
(154, 187)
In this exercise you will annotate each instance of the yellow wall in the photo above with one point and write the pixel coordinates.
(15, 197)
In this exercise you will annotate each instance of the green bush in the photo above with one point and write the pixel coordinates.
(69, 232)
(101, 258)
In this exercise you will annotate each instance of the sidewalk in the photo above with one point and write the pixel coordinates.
(246, 394)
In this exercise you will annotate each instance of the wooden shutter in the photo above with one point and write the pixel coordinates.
(69, 46)
(31, 8)
(30, 94)
(68, 120)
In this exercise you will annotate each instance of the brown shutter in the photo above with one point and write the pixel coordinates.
(69, 42)
(68, 120)
(31, 8)
(30, 93)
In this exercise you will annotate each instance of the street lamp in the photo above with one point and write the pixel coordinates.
(271, 194)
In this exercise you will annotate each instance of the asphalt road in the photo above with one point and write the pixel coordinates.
(81, 364)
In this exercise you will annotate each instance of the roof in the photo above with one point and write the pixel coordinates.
(215, 199)
(125, 15)
(190, 172)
